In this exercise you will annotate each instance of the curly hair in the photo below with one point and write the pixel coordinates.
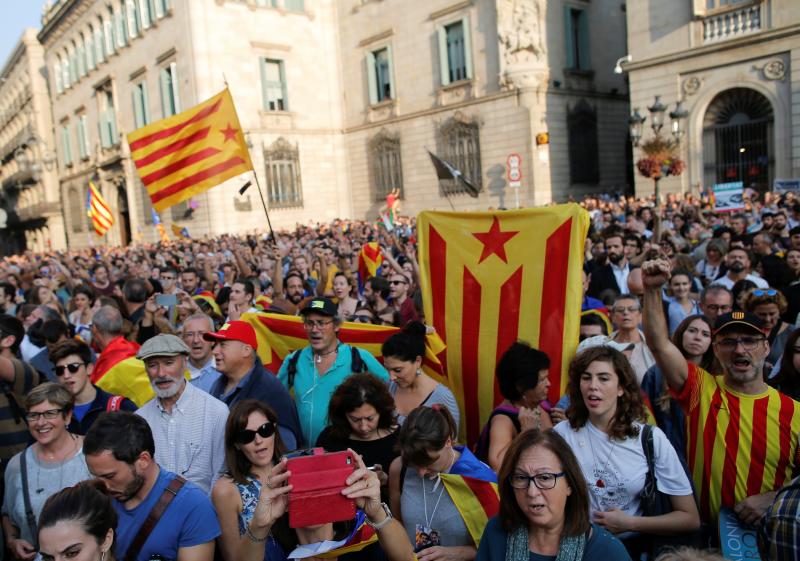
(630, 406)
(355, 391)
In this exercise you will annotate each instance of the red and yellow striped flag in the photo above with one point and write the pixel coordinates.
(191, 152)
(279, 335)
(99, 212)
(477, 500)
(489, 279)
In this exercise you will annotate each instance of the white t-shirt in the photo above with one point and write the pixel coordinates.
(622, 467)
(728, 283)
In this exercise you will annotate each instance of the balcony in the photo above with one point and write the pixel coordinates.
(732, 23)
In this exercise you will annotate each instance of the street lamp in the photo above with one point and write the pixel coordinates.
(635, 125)
(29, 162)
(657, 111)
(677, 118)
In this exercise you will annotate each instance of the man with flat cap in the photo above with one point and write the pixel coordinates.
(317, 370)
(244, 377)
(188, 424)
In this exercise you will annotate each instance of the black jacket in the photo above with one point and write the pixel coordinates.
(98, 406)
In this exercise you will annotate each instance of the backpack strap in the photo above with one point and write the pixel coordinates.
(114, 403)
(30, 517)
(357, 363)
(170, 492)
(291, 368)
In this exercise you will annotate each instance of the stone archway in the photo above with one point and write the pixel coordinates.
(738, 139)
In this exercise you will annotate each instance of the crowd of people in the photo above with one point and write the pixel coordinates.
(138, 421)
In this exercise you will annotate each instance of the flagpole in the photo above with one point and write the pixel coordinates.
(264, 204)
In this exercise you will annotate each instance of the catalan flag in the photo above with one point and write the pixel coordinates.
(191, 152)
(360, 537)
(98, 210)
(489, 279)
(279, 335)
(370, 259)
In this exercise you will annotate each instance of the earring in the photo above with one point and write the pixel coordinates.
(103, 556)
(419, 372)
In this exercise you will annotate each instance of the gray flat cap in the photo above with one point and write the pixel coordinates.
(162, 345)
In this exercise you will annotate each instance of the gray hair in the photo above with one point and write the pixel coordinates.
(108, 320)
(200, 315)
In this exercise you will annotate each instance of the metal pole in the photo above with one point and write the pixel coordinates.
(264, 204)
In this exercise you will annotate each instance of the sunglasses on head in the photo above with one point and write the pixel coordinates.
(765, 292)
(246, 436)
(73, 367)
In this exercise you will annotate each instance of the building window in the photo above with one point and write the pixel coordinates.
(107, 119)
(83, 137)
(576, 33)
(109, 26)
(170, 101)
(141, 108)
(455, 58)
(65, 72)
(90, 54)
(161, 7)
(282, 167)
(146, 9)
(295, 5)
(134, 18)
(80, 54)
(584, 159)
(273, 85)
(386, 165)
(77, 209)
(121, 27)
(379, 75)
(73, 67)
(58, 76)
(66, 145)
(459, 141)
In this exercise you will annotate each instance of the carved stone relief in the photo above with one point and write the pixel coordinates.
(774, 70)
(520, 28)
(692, 85)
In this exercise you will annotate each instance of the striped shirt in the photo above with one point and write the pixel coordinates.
(738, 445)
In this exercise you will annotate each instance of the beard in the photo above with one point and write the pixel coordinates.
(132, 488)
(169, 391)
(736, 267)
(615, 258)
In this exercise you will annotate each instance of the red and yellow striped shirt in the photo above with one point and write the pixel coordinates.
(738, 445)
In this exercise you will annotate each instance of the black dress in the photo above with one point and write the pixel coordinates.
(381, 451)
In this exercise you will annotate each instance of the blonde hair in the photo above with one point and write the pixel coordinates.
(690, 554)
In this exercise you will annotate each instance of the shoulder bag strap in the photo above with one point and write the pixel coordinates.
(26, 497)
(153, 517)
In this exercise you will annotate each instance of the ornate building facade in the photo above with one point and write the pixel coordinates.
(340, 100)
(30, 205)
(733, 65)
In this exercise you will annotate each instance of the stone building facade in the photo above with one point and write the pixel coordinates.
(30, 205)
(733, 63)
(340, 100)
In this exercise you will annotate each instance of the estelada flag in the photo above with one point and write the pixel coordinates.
(279, 335)
(489, 279)
(191, 152)
(99, 211)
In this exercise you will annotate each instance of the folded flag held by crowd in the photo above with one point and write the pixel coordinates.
(278, 335)
(370, 259)
(191, 152)
(360, 537)
(98, 210)
(490, 279)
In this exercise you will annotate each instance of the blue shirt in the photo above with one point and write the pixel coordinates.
(79, 411)
(313, 392)
(204, 378)
(262, 384)
(189, 520)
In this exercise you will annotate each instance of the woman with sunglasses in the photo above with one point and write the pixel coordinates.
(604, 428)
(252, 496)
(53, 462)
(768, 304)
(544, 507)
(410, 387)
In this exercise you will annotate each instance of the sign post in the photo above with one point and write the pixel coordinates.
(514, 174)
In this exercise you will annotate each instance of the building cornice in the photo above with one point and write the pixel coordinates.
(703, 50)
(15, 57)
(53, 20)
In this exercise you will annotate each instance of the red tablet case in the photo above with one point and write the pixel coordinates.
(317, 482)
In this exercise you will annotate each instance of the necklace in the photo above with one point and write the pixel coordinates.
(60, 466)
(600, 482)
(318, 356)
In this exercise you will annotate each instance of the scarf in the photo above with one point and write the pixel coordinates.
(517, 548)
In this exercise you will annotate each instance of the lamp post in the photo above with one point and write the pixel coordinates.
(661, 159)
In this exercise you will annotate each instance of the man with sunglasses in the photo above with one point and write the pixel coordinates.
(398, 290)
(73, 368)
(188, 424)
(317, 370)
(742, 435)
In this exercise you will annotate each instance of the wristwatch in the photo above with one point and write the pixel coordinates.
(383, 522)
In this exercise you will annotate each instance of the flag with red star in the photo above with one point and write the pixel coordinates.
(191, 152)
(491, 278)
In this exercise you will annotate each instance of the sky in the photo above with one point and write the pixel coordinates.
(16, 16)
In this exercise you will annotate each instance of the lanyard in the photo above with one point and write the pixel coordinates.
(425, 501)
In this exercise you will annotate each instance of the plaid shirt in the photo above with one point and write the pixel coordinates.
(779, 533)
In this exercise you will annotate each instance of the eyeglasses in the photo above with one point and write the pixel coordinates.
(191, 335)
(543, 481)
(718, 307)
(316, 323)
(765, 292)
(362, 319)
(623, 309)
(246, 436)
(748, 343)
(73, 367)
(395, 282)
(50, 414)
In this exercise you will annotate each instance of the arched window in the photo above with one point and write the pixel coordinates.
(282, 166)
(76, 209)
(738, 139)
(459, 142)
